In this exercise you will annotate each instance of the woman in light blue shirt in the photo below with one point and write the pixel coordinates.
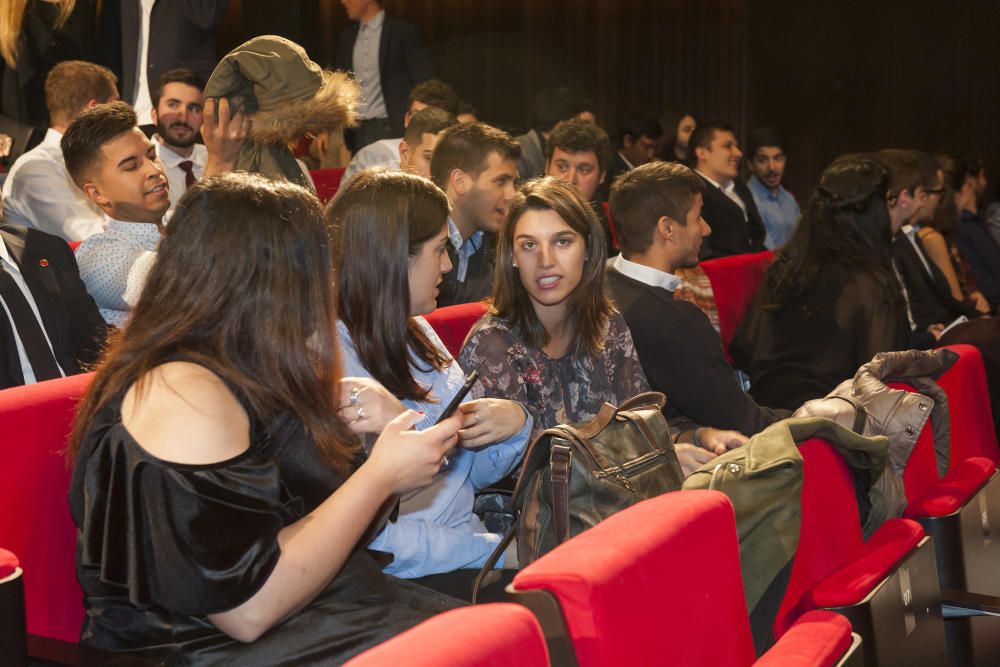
(389, 234)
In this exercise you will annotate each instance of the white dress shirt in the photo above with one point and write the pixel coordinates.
(729, 189)
(39, 193)
(143, 104)
(177, 177)
(381, 153)
(365, 63)
(644, 274)
(15, 272)
(114, 266)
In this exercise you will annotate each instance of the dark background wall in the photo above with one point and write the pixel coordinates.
(834, 75)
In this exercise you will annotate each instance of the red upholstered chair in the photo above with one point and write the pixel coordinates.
(35, 522)
(327, 182)
(611, 226)
(659, 584)
(735, 280)
(486, 635)
(452, 323)
(73, 245)
(887, 586)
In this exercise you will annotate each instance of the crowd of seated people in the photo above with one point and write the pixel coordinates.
(268, 386)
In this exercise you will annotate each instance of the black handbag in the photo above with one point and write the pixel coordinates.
(574, 476)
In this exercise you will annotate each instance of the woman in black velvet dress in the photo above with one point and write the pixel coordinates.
(830, 301)
(219, 501)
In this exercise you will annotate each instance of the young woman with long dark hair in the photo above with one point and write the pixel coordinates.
(390, 231)
(830, 301)
(216, 493)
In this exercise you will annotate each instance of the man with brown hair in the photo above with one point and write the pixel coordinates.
(476, 166)
(38, 192)
(657, 208)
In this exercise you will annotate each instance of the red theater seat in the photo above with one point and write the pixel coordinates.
(452, 323)
(659, 584)
(735, 280)
(487, 635)
(327, 182)
(35, 522)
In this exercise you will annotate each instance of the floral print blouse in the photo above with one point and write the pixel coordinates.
(570, 389)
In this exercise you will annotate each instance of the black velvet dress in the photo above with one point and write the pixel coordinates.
(161, 545)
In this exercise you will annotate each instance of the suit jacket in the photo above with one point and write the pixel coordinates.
(402, 63)
(69, 315)
(731, 234)
(929, 295)
(181, 34)
(681, 355)
(532, 160)
(478, 275)
(618, 167)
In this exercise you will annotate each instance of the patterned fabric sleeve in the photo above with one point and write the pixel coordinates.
(620, 354)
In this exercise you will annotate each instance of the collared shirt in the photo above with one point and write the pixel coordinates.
(143, 103)
(381, 153)
(910, 232)
(15, 272)
(114, 266)
(780, 212)
(465, 249)
(437, 530)
(39, 193)
(365, 62)
(177, 177)
(645, 274)
(729, 189)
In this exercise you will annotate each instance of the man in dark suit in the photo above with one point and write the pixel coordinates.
(179, 34)
(638, 135)
(729, 207)
(657, 209)
(388, 59)
(49, 325)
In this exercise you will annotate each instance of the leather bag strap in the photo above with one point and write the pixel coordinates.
(560, 460)
(492, 560)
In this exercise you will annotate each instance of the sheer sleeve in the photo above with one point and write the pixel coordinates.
(623, 361)
(194, 540)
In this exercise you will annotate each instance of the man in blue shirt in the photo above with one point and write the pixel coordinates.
(777, 206)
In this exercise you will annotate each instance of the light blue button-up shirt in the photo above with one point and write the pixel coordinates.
(437, 530)
(464, 249)
(780, 212)
(365, 62)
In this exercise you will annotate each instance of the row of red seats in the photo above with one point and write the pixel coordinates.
(887, 586)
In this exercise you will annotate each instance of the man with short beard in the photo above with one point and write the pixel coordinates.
(178, 102)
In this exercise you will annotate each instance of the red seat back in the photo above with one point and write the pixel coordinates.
(831, 528)
(611, 226)
(34, 519)
(735, 280)
(327, 182)
(452, 323)
(653, 584)
(972, 430)
(486, 635)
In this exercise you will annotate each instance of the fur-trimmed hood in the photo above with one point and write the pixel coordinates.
(286, 95)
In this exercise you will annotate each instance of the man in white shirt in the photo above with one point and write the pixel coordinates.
(116, 166)
(385, 152)
(178, 105)
(38, 193)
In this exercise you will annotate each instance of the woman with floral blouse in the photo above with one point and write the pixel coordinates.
(552, 340)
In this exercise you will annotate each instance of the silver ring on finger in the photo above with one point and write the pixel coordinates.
(355, 395)
(361, 412)
(477, 416)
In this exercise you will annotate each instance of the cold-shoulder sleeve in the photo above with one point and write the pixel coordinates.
(194, 540)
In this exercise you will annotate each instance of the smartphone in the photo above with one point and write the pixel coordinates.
(460, 396)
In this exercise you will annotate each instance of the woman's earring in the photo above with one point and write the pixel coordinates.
(513, 263)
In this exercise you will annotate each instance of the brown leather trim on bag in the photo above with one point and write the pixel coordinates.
(492, 560)
(560, 459)
(647, 433)
(645, 399)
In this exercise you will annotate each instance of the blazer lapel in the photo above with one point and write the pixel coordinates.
(383, 48)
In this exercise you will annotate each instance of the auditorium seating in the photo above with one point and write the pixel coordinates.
(452, 323)
(327, 182)
(887, 586)
(659, 584)
(486, 635)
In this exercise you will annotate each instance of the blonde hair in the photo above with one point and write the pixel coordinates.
(11, 18)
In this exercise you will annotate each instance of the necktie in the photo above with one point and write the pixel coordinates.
(189, 177)
(43, 363)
